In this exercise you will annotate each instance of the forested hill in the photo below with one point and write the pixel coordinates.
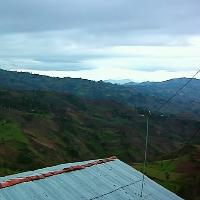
(44, 128)
(146, 95)
(46, 121)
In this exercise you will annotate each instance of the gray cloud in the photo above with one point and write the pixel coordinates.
(103, 16)
(66, 35)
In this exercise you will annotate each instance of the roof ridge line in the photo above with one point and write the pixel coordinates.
(26, 179)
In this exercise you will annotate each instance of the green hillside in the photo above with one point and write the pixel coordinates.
(47, 121)
(43, 128)
(180, 175)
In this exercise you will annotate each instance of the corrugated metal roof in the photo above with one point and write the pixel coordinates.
(112, 180)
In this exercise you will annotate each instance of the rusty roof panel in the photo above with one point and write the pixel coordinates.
(112, 180)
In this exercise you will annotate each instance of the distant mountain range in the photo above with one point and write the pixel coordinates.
(120, 82)
(147, 95)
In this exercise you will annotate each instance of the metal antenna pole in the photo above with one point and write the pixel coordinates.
(145, 152)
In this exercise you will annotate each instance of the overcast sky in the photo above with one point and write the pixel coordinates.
(101, 39)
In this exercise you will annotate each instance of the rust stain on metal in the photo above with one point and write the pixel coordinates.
(16, 181)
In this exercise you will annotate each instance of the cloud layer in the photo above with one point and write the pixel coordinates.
(89, 35)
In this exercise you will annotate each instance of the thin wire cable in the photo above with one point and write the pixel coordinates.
(124, 186)
(145, 153)
(188, 141)
(157, 110)
(173, 96)
(177, 152)
(176, 93)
